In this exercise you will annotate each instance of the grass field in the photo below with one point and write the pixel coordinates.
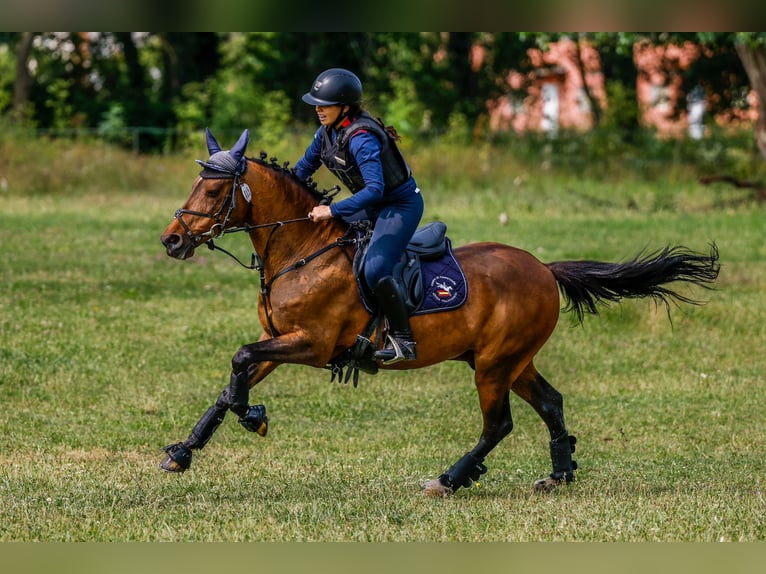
(109, 350)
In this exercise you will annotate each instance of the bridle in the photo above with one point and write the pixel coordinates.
(219, 229)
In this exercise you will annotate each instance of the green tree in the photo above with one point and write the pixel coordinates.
(23, 82)
(751, 47)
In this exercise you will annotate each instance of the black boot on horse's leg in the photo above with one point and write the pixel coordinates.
(471, 466)
(464, 472)
(549, 404)
(179, 455)
(562, 449)
(251, 417)
(234, 398)
(400, 345)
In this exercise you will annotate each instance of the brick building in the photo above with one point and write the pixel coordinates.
(553, 95)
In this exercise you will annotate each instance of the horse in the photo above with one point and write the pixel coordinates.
(310, 309)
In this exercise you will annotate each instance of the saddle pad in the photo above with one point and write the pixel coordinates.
(444, 284)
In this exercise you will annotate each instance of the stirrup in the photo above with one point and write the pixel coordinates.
(396, 349)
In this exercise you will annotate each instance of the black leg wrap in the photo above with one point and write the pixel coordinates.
(562, 448)
(464, 472)
(255, 420)
(205, 427)
(239, 393)
(180, 454)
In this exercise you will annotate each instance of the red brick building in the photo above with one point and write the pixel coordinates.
(554, 97)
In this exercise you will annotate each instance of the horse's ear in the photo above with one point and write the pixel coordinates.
(239, 148)
(212, 144)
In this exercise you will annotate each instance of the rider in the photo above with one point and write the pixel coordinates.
(362, 153)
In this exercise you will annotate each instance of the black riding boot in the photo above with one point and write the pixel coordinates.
(399, 344)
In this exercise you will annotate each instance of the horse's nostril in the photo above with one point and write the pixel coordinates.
(171, 240)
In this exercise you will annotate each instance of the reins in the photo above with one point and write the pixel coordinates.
(255, 261)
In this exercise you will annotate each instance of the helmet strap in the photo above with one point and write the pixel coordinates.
(342, 115)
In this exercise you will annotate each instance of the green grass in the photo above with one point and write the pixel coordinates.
(109, 350)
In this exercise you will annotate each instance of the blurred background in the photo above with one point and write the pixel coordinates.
(604, 104)
(150, 91)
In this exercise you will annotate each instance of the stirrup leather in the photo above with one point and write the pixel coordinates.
(396, 350)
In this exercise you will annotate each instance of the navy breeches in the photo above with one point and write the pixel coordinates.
(394, 228)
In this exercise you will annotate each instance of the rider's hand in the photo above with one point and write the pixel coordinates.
(320, 213)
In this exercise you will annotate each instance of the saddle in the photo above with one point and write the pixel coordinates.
(429, 243)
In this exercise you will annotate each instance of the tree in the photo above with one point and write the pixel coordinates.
(751, 47)
(23, 83)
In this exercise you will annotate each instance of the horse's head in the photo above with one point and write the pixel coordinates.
(219, 199)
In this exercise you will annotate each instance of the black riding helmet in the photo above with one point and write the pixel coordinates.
(334, 86)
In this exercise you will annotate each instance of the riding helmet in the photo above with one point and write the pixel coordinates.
(334, 86)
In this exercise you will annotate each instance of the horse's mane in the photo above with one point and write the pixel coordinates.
(325, 195)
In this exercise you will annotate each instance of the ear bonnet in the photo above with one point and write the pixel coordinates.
(224, 164)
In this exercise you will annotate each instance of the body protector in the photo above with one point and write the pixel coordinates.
(338, 159)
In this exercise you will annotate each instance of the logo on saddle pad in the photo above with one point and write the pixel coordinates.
(442, 288)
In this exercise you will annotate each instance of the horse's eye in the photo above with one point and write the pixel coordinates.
(213, 192)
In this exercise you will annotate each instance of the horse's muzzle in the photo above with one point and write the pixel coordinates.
(177, 245)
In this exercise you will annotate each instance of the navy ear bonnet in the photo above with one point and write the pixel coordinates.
(224, 164)
(221, 165)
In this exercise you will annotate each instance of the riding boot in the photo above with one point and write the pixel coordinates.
(400, 345)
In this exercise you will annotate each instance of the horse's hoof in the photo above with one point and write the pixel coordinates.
(255, 420)
(178, 458)
(547, 484)
(436, 489)
(169, 465)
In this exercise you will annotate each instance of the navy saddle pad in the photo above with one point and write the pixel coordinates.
(428, 275)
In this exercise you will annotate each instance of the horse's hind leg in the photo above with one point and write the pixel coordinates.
(235, 398)
(549, 404)
(496, 410)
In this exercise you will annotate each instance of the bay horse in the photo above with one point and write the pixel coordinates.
(311, 312)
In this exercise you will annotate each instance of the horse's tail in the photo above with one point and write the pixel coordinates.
(585, 284)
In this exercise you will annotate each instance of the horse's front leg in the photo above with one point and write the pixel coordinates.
(251, 364)
(247, 368)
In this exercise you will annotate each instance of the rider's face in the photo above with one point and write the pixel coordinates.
(328, 115)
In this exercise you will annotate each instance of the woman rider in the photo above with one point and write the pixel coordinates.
(363, 154)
